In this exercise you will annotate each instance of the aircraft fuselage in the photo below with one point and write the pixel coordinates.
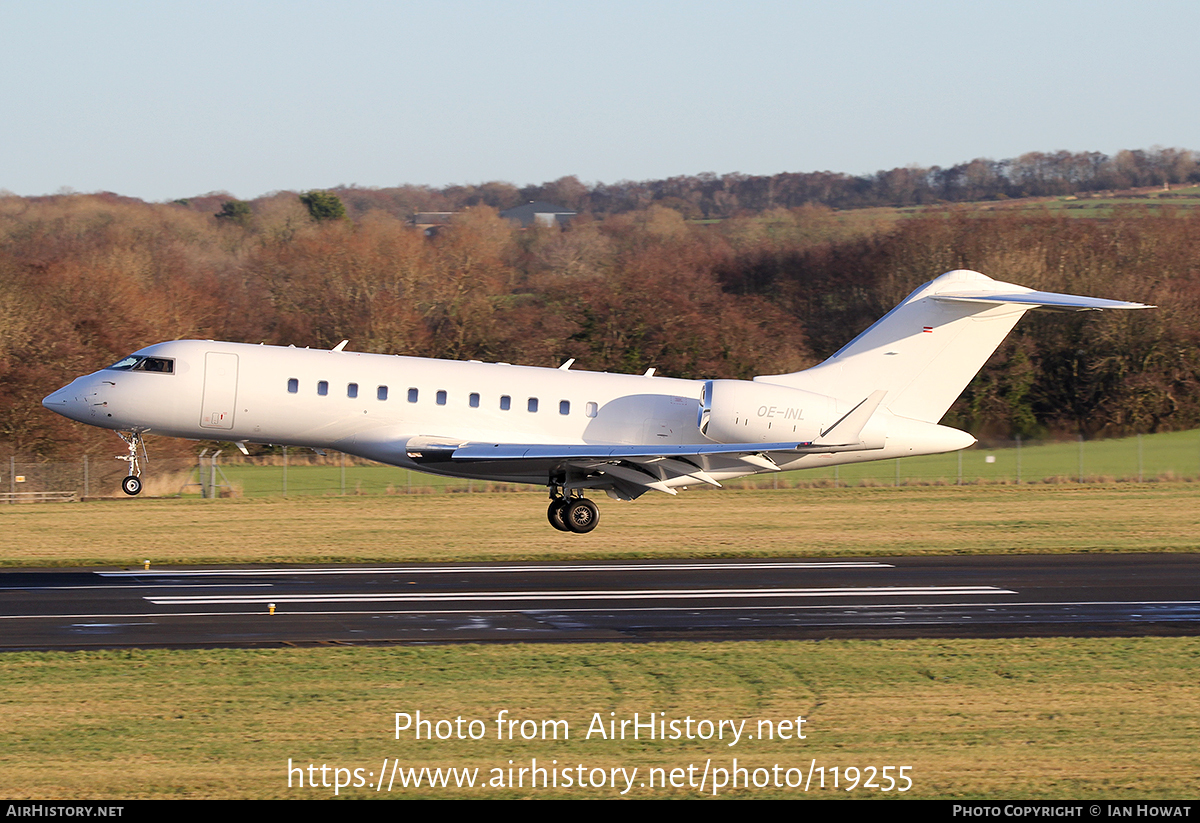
(879, 397)
(370, 405)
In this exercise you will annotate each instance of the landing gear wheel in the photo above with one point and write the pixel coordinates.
(132, 484)
(582, 515)
(557, 514)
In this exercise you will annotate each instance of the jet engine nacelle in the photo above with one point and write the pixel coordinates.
(737, 411)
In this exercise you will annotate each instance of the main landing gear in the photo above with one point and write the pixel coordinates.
(572, 514)
(132, 484)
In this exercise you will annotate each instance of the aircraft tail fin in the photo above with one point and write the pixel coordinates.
(924, 352)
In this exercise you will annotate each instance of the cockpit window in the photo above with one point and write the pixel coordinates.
(163, 365)
(126, 364)
(159, 364)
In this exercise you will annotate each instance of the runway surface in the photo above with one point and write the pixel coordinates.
(969, 596)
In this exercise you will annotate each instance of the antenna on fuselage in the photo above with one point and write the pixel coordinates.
(340, 346)
(567, 365)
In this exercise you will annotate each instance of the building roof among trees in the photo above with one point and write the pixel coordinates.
(538, 212)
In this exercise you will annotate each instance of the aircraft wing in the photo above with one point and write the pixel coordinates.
(628, 471)
(516, 451)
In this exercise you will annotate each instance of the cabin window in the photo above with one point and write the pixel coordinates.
(323, 387)
(381, 393)
(441, 397)
(352, 390)
(564, 406)
(293, 385)
(505, 403)
(412, 395)
(533, 404)
(474, 400)
(590, 409)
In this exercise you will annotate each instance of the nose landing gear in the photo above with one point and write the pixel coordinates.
(132, 484)
(572, 514)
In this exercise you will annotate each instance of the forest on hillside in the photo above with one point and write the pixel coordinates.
(711, 196)
(86, 279)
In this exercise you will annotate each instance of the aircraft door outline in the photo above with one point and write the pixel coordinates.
(220, 390)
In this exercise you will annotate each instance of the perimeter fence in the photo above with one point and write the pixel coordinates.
(1173, 456)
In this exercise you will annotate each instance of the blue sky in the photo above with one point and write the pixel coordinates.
(160, 100)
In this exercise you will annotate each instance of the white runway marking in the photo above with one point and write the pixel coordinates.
(481, 569)
(128, 586)
(668, 594)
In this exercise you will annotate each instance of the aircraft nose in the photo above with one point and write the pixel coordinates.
(57, 401)
(67, 402)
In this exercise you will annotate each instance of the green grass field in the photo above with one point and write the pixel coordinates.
(1167, 456)
(824, 522)
(1016, 719)
(1180, 201)
(1066, 718)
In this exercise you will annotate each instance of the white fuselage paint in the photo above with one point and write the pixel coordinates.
(240, 392)
(879, 397)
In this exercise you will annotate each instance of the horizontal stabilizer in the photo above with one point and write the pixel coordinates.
(1040, 300)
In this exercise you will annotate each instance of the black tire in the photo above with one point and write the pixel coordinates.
(582, 515)
(131, 485)
(557, 514)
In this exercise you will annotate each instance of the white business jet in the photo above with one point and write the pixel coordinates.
(879, 397)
